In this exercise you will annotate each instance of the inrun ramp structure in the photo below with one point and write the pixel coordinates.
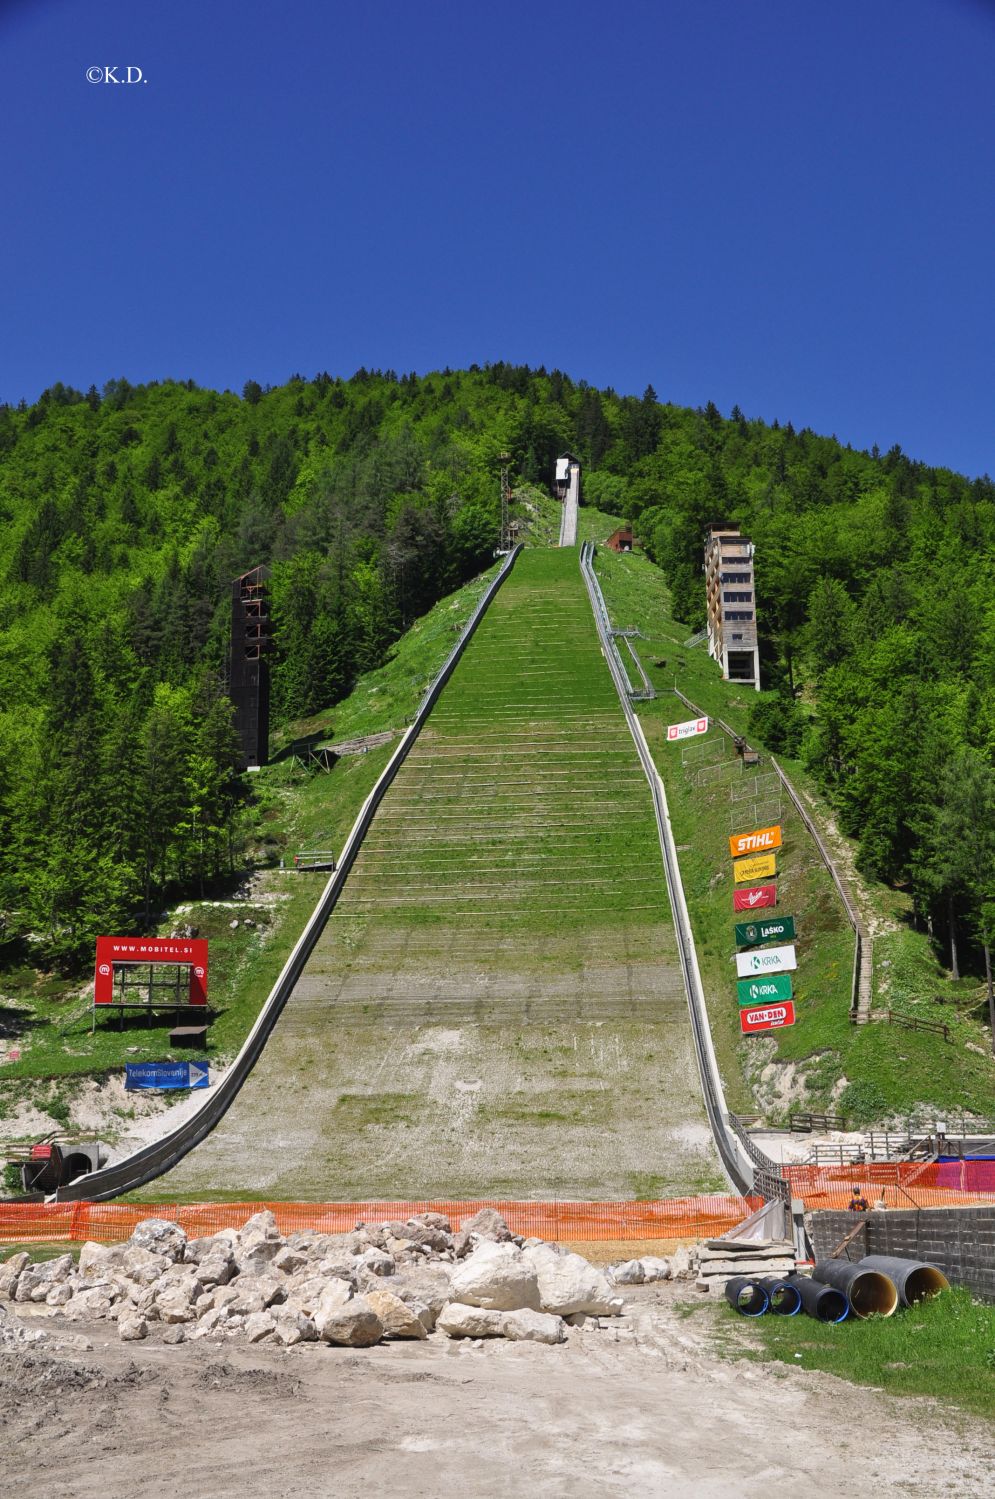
(495, 1007)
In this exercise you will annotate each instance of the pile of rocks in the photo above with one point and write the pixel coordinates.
(391, 1280)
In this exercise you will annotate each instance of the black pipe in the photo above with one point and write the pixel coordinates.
(784, 1296)
(747, 1296)
(824, 1303)
(869, 1292)
(914, 1280)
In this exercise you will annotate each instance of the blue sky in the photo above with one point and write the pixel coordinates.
(780, 203)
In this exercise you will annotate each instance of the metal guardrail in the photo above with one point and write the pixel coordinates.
(153, 1160)
(735, 1151)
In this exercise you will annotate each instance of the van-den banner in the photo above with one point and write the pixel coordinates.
(760, 867)
(769, 1018)
(175, 950)
(754, 898)
(757, 842)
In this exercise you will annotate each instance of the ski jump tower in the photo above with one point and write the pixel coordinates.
(248, 675)
(731, 602)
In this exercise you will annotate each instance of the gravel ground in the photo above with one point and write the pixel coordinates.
(649, 1406)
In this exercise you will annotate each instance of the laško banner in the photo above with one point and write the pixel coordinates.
(754, 898)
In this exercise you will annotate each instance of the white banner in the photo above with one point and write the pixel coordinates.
(766, 960)
(687, 730)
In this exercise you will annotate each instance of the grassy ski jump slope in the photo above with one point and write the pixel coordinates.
(495, 1007)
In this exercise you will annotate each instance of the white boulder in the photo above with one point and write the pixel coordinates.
(399, 1320)
(496, 1277)
(533, 1327)
(568, 1283)
(458, 1320)
(355, 1325)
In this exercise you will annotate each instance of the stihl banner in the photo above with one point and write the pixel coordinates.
(755, 898)
(688, 729)
(174, 950)
(757, 842)
(766, 960)
(760, 867)
(768, 1018)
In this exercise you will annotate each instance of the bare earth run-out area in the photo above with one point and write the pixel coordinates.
(496, 1007)
(647, 1407)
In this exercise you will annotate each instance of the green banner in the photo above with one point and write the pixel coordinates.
(772, 929)
(761, 991)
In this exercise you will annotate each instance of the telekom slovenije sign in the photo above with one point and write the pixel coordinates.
(767, 1018)
(111, 951)
(688, 729)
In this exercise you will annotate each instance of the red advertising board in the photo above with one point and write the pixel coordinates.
(187, 950)
(767, 1017)
(755, 897)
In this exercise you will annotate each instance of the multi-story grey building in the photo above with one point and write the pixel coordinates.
(731, 604)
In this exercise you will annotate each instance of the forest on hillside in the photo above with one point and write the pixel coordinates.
(125, 512)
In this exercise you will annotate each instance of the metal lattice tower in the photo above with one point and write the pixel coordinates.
(504, 545)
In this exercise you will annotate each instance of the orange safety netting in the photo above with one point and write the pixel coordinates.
(902, 1184)
(109, 1223)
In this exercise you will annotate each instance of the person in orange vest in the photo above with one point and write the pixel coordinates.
(858, 1202)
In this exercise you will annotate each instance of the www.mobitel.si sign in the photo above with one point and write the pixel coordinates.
(772, 929)
(760, 841)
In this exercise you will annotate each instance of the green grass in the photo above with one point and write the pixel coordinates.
(296, 809)
(40, 1252)
(530, 726)
(944, 1348)
(894, 1069)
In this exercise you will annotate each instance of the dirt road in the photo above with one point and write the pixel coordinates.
(645, 1407)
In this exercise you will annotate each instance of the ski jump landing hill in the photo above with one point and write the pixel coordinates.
(497, 992)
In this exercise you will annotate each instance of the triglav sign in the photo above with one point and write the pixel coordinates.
(688, 729)
(766, 960)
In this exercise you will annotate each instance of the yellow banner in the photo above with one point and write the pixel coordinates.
(754, 843)
(760, 867)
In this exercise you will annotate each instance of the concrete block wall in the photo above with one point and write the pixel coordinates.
(961, 1241)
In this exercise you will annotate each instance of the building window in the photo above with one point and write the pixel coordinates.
(739, 614)
(737, 598)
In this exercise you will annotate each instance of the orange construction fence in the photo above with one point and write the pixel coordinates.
(110, 1223)
(901, 1184)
